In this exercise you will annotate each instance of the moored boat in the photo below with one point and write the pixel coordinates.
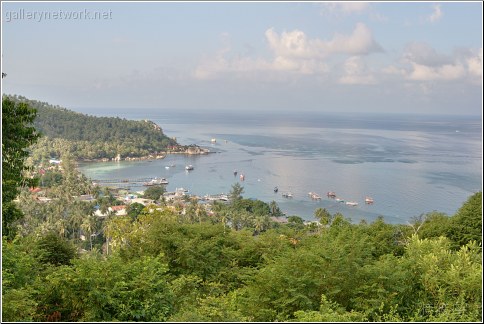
(189, 167)
(331, 194)
(352, 203)
(314, 196)
(368, 200)
(287, 195)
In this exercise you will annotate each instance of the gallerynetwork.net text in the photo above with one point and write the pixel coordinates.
(38, 16)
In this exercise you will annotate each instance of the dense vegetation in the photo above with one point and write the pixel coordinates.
(182, 263)
(89, 137)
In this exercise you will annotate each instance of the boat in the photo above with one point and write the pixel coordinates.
(352, 203)
(235, 172)
(331, 194)
(276, 189)
(340, 200)
(287, 195)
(156, 181)
(189, 167)
(314, 196)
(242, 177)
(368, 200)
(213, 140)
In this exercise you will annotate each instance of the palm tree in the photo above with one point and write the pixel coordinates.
(323, 216)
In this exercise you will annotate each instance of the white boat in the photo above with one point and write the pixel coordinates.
(287, 195)
(189, 167)
(369, 200)
(156, 181)
(314, 196)
(213, 140)
(352, 203)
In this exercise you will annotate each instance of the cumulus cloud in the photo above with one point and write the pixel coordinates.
(430, 73)
(293, 52)
(425, 64)
(474, 64)
(436, 14)
(297, 44)
(422, 53)
(345, 8)
(356, 72)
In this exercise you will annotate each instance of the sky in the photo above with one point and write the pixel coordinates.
(396, 57)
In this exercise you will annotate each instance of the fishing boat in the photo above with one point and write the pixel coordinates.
(331, 194)
(287, 195)
(352, 203)
(235, 173)
(314, 196)
(189, 167)
(242, 177)
(368, 200)
(276, 189)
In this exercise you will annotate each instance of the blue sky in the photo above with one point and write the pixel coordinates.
(417, 57)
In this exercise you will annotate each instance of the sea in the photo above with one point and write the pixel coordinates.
(409, 164)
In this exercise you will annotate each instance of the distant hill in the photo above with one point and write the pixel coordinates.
(91, 137)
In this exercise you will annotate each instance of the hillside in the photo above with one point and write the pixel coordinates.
(91, 137)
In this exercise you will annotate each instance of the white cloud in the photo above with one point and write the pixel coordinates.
(423, 54)
(474, 64)
(425, 64)
(345, 7)
(292, 52)
(356, 72)
(360, 42)
(436, 14)
(429, 73)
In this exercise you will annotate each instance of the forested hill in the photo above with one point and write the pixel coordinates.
(93, 137)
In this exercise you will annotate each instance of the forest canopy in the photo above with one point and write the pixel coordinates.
(89, 137)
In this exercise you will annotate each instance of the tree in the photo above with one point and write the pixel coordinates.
(154, 192)
(466, 225)
(55, 250)
(17, 136)
(134, 209)
(235, 194)
(323, 216)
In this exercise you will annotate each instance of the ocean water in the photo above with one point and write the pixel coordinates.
(408, 164)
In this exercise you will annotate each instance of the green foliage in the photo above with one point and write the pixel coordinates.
(134, 209)
(323, 216)
(328, 312)
(19, 271)
(235, 194)
(154, 192)
(89, 137)
(55, 250)
(109, 290)
(17, 136)
(466, 224)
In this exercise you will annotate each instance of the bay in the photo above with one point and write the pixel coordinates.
(409, 164)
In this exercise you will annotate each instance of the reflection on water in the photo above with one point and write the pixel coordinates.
(409, 166)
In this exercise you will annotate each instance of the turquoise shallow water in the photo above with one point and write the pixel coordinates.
(409, 164)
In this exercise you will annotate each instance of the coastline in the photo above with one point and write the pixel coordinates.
(190, 150)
